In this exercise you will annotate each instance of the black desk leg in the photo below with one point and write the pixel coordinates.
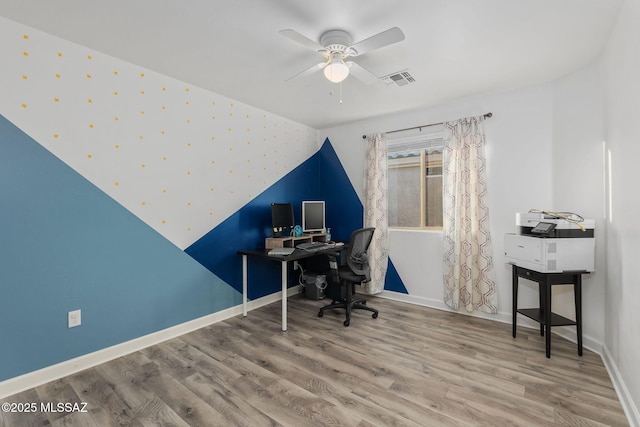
(547, 317)
(514, 292)
(577, 292)
(543, 305)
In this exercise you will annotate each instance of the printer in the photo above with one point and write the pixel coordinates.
(551, 242)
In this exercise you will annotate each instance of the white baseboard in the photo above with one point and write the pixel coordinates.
(631, 410)
(50, 373)
(440, 305)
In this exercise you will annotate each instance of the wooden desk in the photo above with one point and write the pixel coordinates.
(283, 260)
(543, 314)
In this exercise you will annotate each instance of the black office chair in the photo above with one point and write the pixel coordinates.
(343, 280)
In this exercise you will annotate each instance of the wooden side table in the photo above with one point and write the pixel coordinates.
(543, 314)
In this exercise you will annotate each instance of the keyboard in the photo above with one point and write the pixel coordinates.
(281, 251)
(313, 246)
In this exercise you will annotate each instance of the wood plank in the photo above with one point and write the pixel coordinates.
(60, 392)
(128, 374)
(15, 417)
(103, 403)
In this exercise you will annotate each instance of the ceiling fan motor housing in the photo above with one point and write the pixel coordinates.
(336, 40)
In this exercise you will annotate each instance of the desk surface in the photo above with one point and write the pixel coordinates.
(284, 261)
(295, 255)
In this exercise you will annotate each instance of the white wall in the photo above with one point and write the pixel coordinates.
(179, 157)
(578, 182)
(519, 140)
(621, 67)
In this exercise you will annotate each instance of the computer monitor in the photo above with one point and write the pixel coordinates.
(282, 220)
(313, 219)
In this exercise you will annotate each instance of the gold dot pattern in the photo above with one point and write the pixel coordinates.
(169, 152)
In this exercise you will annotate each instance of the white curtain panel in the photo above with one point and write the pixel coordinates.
(375, 210)
(469, 277)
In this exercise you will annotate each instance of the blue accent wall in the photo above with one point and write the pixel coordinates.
(65, 245)
(344, 209)
(321, 177)
(248, 227)
(392, 280)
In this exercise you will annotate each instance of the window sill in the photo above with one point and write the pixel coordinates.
(417, 229)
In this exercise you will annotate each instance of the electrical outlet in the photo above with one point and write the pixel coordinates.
(74, 318)
(296, 265)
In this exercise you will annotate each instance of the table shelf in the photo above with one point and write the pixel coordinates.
(545, 283)
(538, 315)
(292, 242)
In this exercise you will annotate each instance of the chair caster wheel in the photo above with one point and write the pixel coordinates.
(320, 313)
(374, 315)
(346, 323)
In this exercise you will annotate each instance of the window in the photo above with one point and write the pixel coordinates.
(414, 174)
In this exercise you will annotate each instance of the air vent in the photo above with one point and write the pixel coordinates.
(400, 78)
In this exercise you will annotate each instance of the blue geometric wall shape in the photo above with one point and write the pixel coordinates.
(344, 210)
(247, 229)
(392, 281)
(66, 245)
(321, 177)
(344, 204)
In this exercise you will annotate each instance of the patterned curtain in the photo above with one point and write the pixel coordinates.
(468, 255)
(375, 210)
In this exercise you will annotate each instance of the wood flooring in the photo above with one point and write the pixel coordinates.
(412, 366)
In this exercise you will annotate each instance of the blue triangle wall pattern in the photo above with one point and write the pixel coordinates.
(66, 245)
(321, 177)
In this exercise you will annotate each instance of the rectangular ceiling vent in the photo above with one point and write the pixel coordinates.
(400, 78)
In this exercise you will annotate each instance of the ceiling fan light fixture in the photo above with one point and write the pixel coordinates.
(336, 70)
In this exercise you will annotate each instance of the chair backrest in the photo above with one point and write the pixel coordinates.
(357, 258)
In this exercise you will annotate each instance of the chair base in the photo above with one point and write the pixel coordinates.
(348, 306)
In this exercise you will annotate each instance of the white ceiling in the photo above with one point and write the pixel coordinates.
(453, 48)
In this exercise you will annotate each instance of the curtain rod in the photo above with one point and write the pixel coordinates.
(486, 116)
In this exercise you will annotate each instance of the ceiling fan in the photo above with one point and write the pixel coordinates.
(336, 48)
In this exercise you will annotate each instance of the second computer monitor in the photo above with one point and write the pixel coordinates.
(313, 219)
(282, 219)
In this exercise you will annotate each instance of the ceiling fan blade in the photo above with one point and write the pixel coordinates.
(308, 71)
(362, 74)
(385, 38)
(303, 40)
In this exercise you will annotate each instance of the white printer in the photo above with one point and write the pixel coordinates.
(551, 242)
